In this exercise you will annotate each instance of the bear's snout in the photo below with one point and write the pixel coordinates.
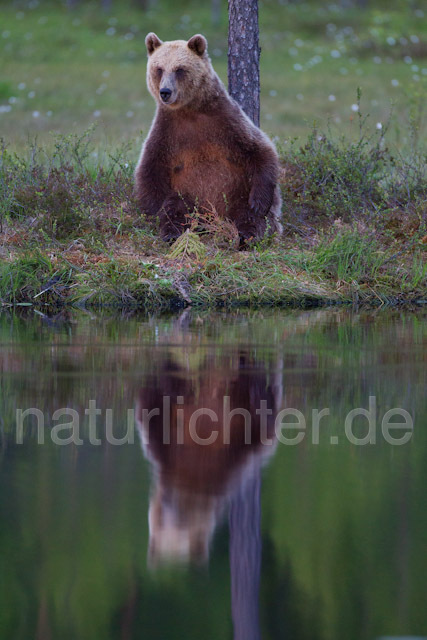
(165, 94)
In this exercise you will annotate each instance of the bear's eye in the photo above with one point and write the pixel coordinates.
(159, 72)
(180, 72)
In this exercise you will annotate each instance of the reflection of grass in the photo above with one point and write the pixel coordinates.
(354, 228)
(63, 70)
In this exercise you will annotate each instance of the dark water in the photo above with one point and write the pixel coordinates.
(247, 537)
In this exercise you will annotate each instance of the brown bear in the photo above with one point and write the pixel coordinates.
(202, 151)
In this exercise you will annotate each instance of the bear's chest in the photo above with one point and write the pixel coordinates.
(206, 174)
(202, 166)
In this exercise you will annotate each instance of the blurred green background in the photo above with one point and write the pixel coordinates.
(66, 65)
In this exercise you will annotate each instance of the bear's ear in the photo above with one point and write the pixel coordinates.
(152, 42)
(198, 44)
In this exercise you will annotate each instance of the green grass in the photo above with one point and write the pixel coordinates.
(63, 70)
(32, 276)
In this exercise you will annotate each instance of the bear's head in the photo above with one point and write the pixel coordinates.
(178, 72)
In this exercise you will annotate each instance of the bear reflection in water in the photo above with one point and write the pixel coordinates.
(194, 483)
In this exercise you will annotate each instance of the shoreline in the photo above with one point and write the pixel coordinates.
(42, 281)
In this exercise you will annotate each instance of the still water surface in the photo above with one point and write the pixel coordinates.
(273, 533)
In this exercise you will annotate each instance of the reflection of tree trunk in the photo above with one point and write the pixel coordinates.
(129, 612)
(43, 629)
(245, 558)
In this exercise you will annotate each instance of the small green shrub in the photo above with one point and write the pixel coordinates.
(337, 178)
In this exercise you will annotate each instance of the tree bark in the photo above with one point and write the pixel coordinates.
(243, 56)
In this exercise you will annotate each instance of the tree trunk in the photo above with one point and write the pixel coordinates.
(243, 55)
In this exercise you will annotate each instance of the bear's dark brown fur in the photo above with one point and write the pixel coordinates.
(202, 151)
